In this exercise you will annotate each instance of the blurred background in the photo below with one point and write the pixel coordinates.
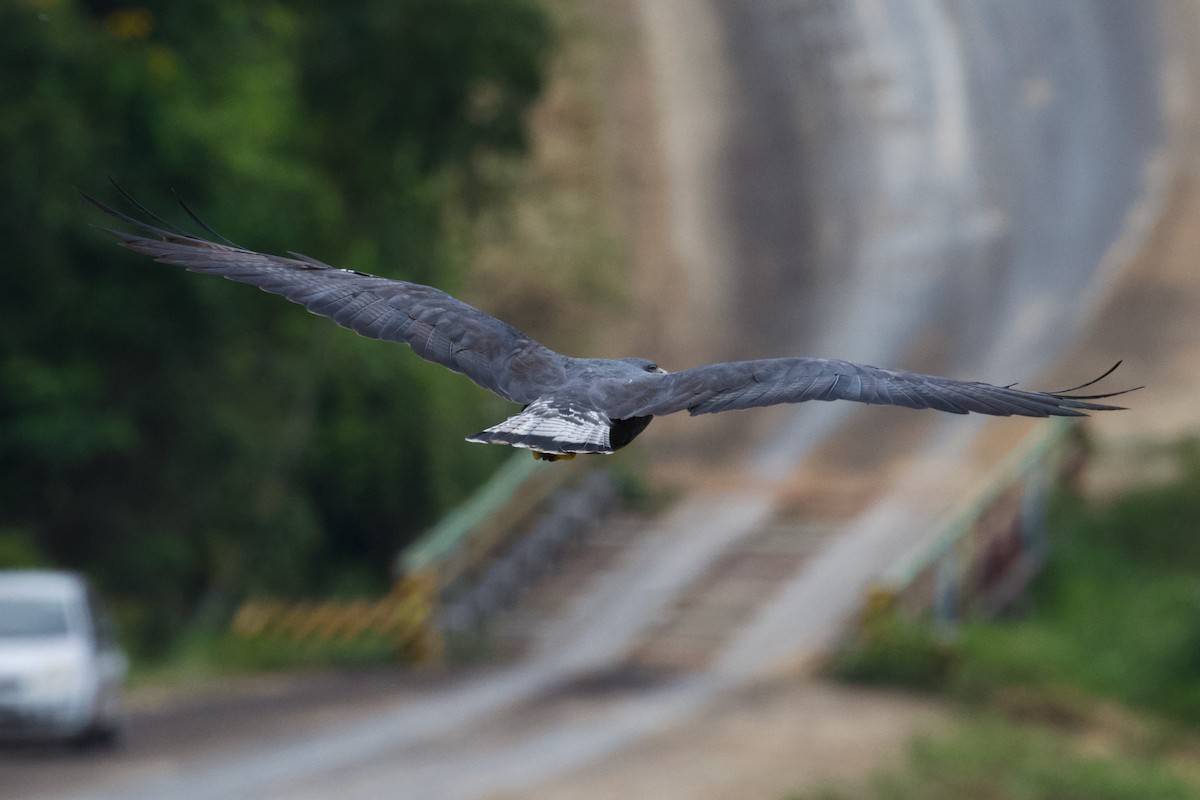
(185, 445)
(321, 589)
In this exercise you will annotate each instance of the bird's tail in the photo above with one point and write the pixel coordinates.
(547, 426)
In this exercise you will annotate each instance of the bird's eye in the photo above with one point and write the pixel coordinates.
(651, 368)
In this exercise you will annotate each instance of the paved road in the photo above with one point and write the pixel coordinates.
(910, 182)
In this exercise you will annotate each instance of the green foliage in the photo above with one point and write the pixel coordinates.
(999, 761)
(894, 651)
(198, 655)
(1117, 611)
(17, 550)
(187, 441)
(637, 494)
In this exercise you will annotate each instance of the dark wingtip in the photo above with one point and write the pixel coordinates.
(196, 219)
(1065, 394)
(112, 212)
(168, 230)
(1093, 381)
(91, 199)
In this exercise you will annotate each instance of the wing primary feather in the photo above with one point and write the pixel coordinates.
(171, 227)
(1096, 396)
(934, 394)
(1034, 403)
(1110, 371)
(137, 223)
(1104, 396)
(196, 219)
(1003, 403)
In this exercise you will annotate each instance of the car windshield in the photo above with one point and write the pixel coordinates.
(22, 617)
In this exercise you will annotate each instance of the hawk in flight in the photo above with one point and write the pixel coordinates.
(569, 405)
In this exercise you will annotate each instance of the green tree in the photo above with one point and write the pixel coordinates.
(186, 440)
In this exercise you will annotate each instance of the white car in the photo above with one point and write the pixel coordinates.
(61, 669)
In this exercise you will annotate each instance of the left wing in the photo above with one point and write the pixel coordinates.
(438, 327)
(766, 382)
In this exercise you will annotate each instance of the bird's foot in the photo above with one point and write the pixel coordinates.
(538, 455)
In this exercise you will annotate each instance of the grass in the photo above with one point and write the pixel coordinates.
(1117, 612)
(894, 651)
(992, 759)
(1109, 651)
(200, 657)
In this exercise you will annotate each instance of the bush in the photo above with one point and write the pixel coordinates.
(895, 651)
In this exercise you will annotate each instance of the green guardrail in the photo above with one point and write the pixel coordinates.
(958, 523)
(467, 533)
(405, 615)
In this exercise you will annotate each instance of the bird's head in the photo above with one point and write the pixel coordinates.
(646, 365)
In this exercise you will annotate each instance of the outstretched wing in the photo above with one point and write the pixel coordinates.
(438, 327)
(767, 382)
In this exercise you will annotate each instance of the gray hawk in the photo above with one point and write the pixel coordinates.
(569, 405)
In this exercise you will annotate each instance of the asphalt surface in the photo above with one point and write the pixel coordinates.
(912, 183)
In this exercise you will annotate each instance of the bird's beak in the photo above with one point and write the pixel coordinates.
(662, 371)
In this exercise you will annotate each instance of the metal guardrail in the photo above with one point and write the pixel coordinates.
(401, 618)
(983, 555)
(568, 518)
(468, 533)
(479, 556)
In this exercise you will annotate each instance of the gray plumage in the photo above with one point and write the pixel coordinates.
(572, 405)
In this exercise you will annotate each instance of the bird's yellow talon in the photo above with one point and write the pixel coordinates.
(538, 455)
